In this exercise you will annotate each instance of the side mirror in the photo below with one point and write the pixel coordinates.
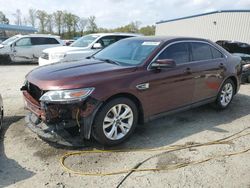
(97, 46)
(163, 63)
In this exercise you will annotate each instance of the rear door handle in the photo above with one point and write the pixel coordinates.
(188, 70)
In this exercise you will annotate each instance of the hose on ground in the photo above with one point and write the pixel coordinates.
(172, 148)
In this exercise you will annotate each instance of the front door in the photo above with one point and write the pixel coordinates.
(22, 50)
(171, 88)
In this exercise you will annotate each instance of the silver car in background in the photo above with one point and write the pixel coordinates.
(83, 47)
(27, 48)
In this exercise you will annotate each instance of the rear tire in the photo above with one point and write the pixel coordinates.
(115, 121)
(1, 119)
(225, 95)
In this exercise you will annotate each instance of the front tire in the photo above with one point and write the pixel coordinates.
(226, 94)
(115, 121)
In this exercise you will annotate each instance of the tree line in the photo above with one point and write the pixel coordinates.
(68, 25)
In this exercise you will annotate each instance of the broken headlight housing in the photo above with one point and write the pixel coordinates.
(66, 96)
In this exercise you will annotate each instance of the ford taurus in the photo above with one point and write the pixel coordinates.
(129, 82)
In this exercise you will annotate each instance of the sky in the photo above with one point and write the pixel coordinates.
(115, 13)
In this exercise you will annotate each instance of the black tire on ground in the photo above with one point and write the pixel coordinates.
(98, 131)
(1, 119)
(5, 59)
(218, 102)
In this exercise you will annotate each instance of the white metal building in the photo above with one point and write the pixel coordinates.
(218, 25)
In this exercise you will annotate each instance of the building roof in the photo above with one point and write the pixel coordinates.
(20, 28)
(204, 14)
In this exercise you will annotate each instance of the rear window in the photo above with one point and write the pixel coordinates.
(216, 53)
(201, 51)
(43, 41)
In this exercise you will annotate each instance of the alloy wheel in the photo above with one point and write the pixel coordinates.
(226, 94)
(118, 122)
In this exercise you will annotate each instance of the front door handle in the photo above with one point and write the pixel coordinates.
(188, 70)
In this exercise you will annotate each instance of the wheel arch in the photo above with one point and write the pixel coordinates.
(235, 81)
(132, 98)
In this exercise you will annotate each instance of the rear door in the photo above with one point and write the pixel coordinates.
(208, 69)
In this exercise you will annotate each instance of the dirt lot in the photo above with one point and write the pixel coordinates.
(27, 161)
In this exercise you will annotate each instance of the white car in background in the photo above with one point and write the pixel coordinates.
(81, 48)
(26, 48)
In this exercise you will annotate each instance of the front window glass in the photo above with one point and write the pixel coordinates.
(84, 41)
(178, 52)
(24, 42)
(9, 40)
(128, 52)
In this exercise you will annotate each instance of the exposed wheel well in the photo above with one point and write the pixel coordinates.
(135, 100)
(235, 83)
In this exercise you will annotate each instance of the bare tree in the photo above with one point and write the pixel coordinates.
(25, 21)
(18, 17)
(70, 22)
(58, 18)
(134, 26)
(3, 19)
(42, 17)
(92, 27)
(82, 25)
(75, 20)
(50, 23)
(32, 17)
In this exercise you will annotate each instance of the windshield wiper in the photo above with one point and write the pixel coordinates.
(108, 61)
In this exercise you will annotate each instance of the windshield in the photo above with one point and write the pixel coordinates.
(128, 52)
(9, 40)
(84, 41)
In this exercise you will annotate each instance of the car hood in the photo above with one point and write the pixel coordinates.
(79, 74)
(64, 49)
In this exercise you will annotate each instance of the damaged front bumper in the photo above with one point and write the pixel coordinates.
(51, 133)
(65, 124)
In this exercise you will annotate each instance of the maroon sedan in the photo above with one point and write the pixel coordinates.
(129, 82)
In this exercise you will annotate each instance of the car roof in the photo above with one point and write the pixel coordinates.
(166, 38)
(117, 34)
(40, 35)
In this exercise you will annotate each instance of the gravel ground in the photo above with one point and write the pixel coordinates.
(28, 161)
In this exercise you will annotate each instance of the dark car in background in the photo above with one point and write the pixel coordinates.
(129, 82)
(241, 50)
(1, 112)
